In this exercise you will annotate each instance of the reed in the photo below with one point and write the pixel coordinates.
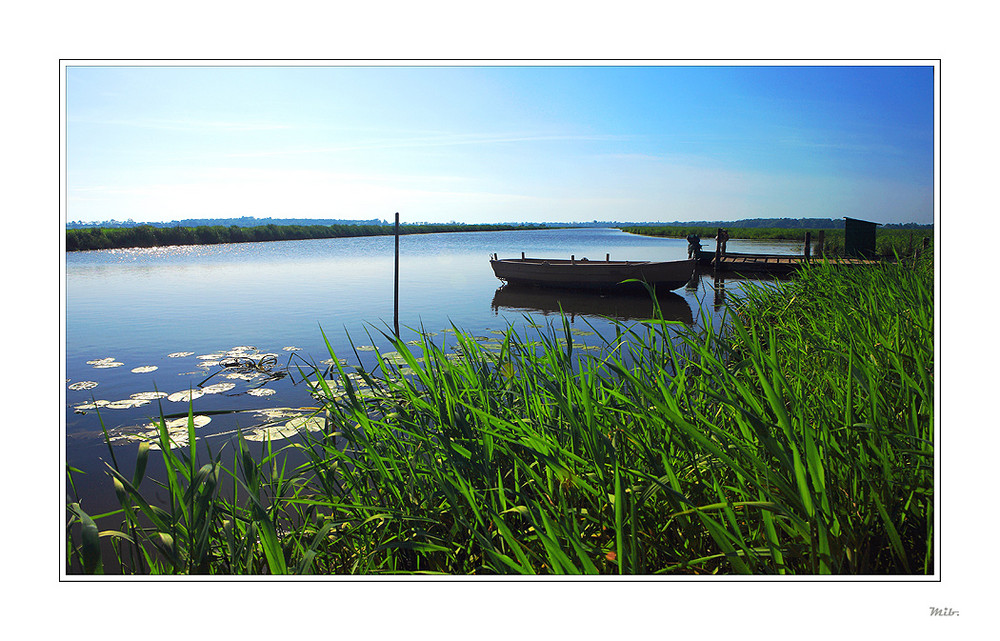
(796, 439)
(889, 243)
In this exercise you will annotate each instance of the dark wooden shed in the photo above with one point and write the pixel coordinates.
(859, 237)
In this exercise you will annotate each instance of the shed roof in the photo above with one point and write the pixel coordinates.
(861, 221)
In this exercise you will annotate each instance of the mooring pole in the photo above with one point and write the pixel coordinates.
(395, 284)
(808, 248)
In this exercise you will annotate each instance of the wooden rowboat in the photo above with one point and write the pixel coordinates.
(593, 274)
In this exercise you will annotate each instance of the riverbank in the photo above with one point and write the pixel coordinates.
(889, 243)
(797, 440)
(148, 236)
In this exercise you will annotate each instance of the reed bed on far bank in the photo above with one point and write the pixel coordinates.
(889, 243)
(796, 440)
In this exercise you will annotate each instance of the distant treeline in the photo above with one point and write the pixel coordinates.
(149, 236)
(888, 242)
(242, 221)
(784, 223)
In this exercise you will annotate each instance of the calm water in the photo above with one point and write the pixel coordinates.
(139, 306)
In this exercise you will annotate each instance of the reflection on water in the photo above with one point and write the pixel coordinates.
(572, 303)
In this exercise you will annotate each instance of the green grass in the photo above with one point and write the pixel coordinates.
(798, 439)
(889, 243)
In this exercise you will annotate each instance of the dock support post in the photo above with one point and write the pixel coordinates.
(808, 249)
(395, 284)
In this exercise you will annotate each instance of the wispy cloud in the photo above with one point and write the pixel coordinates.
(186, 124)
(443, 140)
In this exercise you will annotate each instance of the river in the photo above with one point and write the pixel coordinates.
(156, 322)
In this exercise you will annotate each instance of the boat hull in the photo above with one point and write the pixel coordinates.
(597, 275)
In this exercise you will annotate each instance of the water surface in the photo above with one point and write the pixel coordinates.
(138, 306)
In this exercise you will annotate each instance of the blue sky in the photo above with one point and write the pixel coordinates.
(498, 144)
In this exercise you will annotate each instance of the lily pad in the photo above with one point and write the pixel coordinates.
(287, 430)
(261, 391)
(127, 403)
(93, 405)
(186, 395)
(148, 396)
(144, 369)
(79, 385)
(218, 388)
(180, 354)
(177, 431)
(274, 413)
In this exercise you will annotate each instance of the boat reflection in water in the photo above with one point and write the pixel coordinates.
(620, 306)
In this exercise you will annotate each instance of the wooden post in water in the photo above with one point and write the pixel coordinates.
(808, 249)
(820, 241)
(395, 284)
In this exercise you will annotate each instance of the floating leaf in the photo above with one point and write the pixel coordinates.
(148, 396)
(91, 406)
(108, 364)
(365, 348)
(179, 354)
(144, 369)
(83, 385)
(127, 403)
(186, 395)
(218, 388)
(199, 421)
(261, 391)
(277, 412)
(288, 430)
(101, 361)
(292, 349)
(177, 431)
(210, 357)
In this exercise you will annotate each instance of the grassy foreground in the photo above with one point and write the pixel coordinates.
(799, 440)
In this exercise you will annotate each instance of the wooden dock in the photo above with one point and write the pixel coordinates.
(722, 261)
(778, 264)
